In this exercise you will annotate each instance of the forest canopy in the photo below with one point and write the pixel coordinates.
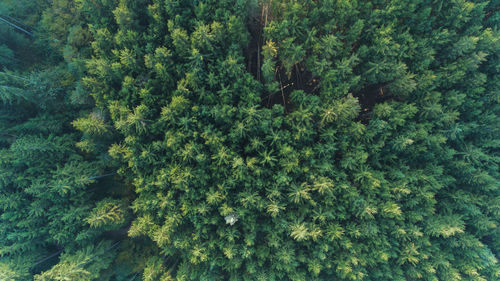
(249, 140)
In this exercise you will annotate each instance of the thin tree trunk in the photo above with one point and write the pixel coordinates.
(282, 92)
(46, 258)
(102, 176)
(15, 76)
(14, 59)
(18, 22)
(16, 26)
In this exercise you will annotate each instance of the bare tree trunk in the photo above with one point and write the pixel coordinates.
(16, 27)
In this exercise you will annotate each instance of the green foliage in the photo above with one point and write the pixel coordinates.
(250, 140)
(48, 187)
(107, 213)
(85, 264)
(6, 273)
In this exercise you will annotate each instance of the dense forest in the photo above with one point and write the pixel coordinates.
(249, 140)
